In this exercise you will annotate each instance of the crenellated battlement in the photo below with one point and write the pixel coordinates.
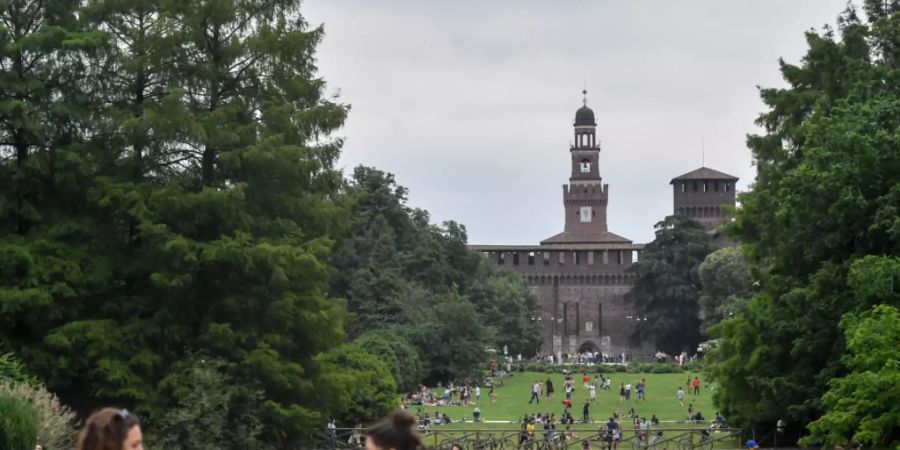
(586, 195)
(605, 261)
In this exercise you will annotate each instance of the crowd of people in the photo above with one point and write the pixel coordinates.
(468, 393)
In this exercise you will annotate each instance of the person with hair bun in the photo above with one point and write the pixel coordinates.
(396, 432)
(111, 429)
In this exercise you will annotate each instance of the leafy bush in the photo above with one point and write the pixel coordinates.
(403, 360)
(55, 422)
(18, 423)
(212, 411)
(11, 369)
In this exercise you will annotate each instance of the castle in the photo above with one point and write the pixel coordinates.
(580, 275)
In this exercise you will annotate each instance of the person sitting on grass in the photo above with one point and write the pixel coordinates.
(698, 417)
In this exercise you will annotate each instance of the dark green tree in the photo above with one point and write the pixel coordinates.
(361, 388)
(392, 347)
(864, 405)
(189, 208)
(397, 267)
(826, 193)
(726, 285)
(212, 410)
(508, 308)
(667, 285)
(453, 340)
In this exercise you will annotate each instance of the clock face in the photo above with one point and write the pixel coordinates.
(585, 214)
(585, 167)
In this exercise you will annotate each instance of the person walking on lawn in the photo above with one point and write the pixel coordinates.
(535, 392)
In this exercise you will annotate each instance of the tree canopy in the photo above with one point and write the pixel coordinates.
(726, 285)
(400, 273)
(175, 238)
(826, 195)
(667, 284)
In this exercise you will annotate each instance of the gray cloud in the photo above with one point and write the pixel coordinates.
(470, 103)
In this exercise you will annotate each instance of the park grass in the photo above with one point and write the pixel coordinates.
(512, 404)
(512, 400)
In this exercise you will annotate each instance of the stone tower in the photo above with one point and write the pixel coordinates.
(580, 276)
(585, 196)
(700, 194)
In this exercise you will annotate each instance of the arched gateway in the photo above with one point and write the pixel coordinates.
(588, 346)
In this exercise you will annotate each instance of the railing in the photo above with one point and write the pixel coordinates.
(509, 439)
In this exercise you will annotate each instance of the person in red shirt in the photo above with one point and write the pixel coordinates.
(696, 386)
(585, 379)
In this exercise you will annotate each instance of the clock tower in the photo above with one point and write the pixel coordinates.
(579, 275)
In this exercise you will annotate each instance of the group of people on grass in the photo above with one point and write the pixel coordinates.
(547, 389)
(544, 427)
(585, 358)
(450, 395)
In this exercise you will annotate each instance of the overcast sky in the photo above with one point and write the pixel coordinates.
(470, 103)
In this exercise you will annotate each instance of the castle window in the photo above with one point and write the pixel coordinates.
(618, 256)
(695, 186)
(501, 258)
(562, 258)
(705, 187)
(516, 258)
(575, 258)
(590, 254)
(683, 186)
(585, 166)
(530, 258)
(727, 187)
(588, 326)
(546, 258)
(716, 186)
(586, 214)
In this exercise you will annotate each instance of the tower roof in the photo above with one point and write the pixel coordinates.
(604, 237)
(704, 173)
(585, 115)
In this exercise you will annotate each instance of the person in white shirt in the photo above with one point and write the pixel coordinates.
(535, 392)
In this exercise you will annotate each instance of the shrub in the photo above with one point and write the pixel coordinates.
(18, 423)
(55, 423)
(12, 370)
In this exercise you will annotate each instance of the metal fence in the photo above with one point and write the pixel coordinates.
(508, 439)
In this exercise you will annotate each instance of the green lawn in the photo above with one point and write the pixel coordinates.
(512, 403)
(512, 399)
